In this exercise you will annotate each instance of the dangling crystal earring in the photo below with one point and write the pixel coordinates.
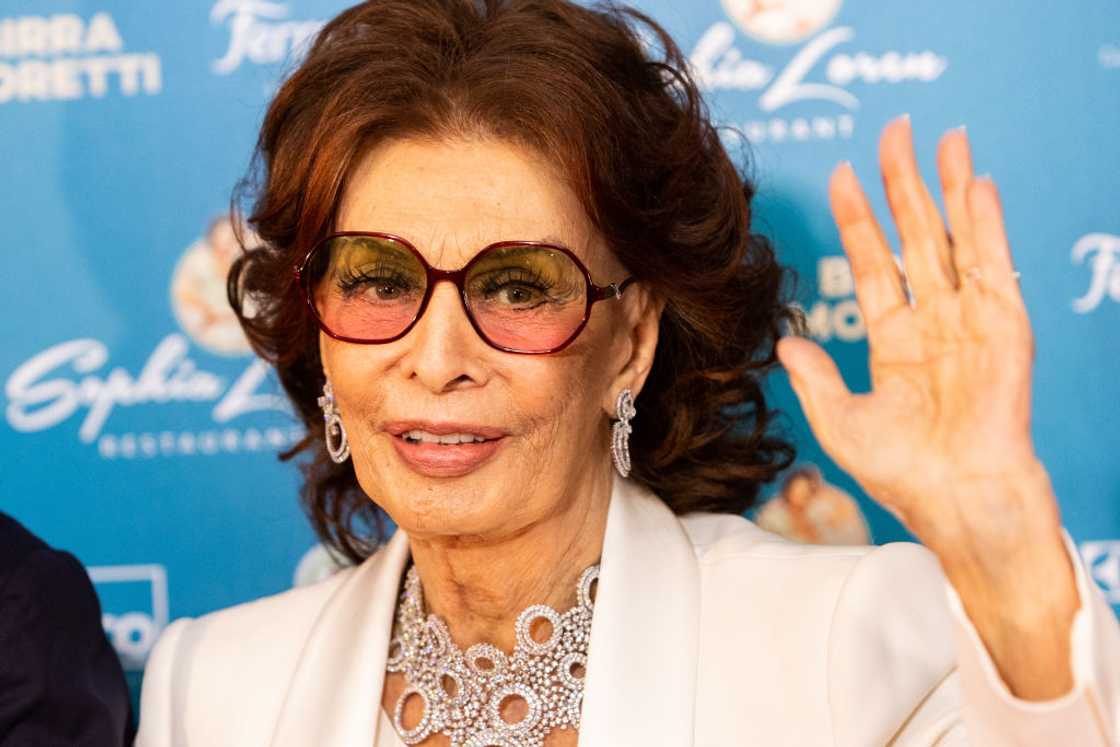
(620, 432)
(333, 428)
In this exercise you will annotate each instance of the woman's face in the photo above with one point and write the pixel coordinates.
(547, 416)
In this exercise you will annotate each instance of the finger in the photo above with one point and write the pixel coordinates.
(954, 165)
(992, 249)
(817, 382)
(925, 245)
(879, 286)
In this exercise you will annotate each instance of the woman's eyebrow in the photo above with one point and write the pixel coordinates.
(553, 239)
(584, 248)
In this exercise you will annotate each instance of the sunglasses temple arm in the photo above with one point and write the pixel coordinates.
(611, 290)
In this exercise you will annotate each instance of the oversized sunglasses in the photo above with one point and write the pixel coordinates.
(520, 296)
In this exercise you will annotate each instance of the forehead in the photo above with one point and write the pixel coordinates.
(452, 197)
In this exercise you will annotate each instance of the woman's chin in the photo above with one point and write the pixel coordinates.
(463, 516)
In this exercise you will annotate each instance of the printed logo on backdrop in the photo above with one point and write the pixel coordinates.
(198, 292)
(75, 378)
(835, 314)
(260, 33)
(1108, 55)
(821, 69)
(1102, 560)
(781, 21)
(66, 56)
(134, 608)
(1100, 253)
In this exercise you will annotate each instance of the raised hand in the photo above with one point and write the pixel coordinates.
(951, 371)
(943, 438)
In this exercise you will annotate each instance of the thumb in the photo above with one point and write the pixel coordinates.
(815, 379)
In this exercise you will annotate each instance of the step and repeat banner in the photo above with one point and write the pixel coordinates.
(141, 434)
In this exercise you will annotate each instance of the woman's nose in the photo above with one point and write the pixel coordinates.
(443, 348)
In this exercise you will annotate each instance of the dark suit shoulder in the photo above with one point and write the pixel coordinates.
(16, 545)
(58, 672)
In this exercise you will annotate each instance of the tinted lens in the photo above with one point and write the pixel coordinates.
(365, 287)
(527, 298)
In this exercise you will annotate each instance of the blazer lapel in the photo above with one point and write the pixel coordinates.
(641, 667)
(335, 693)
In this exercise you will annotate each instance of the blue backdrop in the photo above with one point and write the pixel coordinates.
(140, 433)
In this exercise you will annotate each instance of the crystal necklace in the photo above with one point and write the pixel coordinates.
(463, 692)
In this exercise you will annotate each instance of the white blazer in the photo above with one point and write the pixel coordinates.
(707, 631)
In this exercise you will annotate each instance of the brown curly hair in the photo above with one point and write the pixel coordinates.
(626, 126)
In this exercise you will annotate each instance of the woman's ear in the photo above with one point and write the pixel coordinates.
(640, 333)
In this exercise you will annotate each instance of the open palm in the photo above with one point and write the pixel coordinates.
(950, 369)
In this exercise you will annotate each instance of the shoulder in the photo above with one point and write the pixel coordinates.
(227, 664)
(719, 539)
(17, 544)
(730, 539)
(243, 631)
(890, 643)
(855, 581)
(865, 627)
(58, 671)
(750, 576)
(47, 588)
(268, 619)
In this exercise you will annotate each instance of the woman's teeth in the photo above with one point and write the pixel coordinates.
(446, 438)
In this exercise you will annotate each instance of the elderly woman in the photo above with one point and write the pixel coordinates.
(506, 276)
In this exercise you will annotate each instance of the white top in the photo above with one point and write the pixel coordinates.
(387, 733)
(707, 630)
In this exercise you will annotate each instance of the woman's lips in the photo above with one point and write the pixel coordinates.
(445, 460)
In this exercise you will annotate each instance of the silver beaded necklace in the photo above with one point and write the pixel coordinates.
(462, 693)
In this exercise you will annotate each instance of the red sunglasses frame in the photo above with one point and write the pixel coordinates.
(594, 294)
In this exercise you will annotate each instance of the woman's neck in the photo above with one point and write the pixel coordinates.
(479, 586)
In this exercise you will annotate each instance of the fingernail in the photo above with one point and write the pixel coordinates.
(960, 128)
(905, 117)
